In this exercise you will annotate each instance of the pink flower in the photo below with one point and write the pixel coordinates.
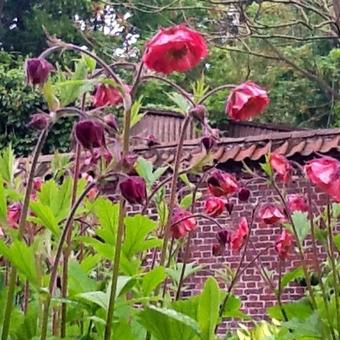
(133, 189)
(283, 244)
(214, 206)
(37, 71)
(297, 203)
(13, 214)
(181, 222)
(37, 183)
(325, 174)
(281, 167)
(240, 235)
(222, 184)
(175, 49)
(246, 101)
(107, 95)
(270, 214)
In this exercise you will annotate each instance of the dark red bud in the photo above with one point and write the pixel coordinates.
(37, 71)
(133, 189)
(223, 237)
(90, 134)
(217, 250)
(151, 140)
(39, 121)
(198, 112)
(111, 121)
(243, 194)
(208, 142)
(229, 206)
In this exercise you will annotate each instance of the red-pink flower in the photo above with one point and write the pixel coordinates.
(283, 244)
(181, 222)
(175, 49)
(37, 71)
(108, 95)
(222, 184)
(214, 206)
(90, 134)
(239, 235)
(37, 183)
(270, 214)
(246, 101)
(325, 174)
(13, 214)
(133, 189)
(297, 203)
(281, 167)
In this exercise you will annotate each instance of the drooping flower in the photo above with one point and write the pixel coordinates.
(39, 121)
(214, 206)
(283, 244)
(325, 174)
(270, 214)
(37, 71)
(174, 49)
(198, 112)
(243, 194)
(246, 101)
(297, 202)
(90, 134)
(208, 142)
(181, 223)
(239, 235)
(133, 189)
(13, 214)
(281, 167)
(222, 184)
(107, 95)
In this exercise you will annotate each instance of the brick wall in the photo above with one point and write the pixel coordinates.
(254, 292)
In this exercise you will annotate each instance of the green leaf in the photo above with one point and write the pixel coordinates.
(44, 216)
(3, 201)
(208, 308)
(90, 62)
(336, 210)
(309, 328)
(137, 229)
(135, 115)
(152, 279)
(50, 96)
(336, 240)
(291, 275)
(301, 223)
(199, 89)
(22, 258)
(267, 168)
(181, 102)
(301, 310)
(165, 324)
(97, 297)
(144, 169)
(190, 268)
(8, 164)
(186, 201)
(78, 279)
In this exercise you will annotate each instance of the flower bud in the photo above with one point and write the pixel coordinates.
(90, 134)
(37, 71)
(128, 163)
(223, 237)
(229, 206)
(217, 250)
(208, 142)
(39, 121)
(243, 194)
(133, 189)
(198, 112)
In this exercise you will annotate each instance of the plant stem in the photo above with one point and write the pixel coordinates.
(67, 249)
(54, 270)
(334, 270)
(173, 189)
(213, 91)
(22, 223)
(120, 233)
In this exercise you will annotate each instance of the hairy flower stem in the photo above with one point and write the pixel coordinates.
(22, 223)
(54, 271)
(67, 249)
(298, 243)
(120, 233)
(173, 189)
(334, 269)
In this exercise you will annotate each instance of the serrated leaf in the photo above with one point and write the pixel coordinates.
(186, 201)
(302, 224)
(44, 216)
(135, 109)
(291, 275)
(98, 297)
(50, 96)
(8, 164)
(301, 310)
(165, 324)
(152, 279)
(336, 241)
(208, 308)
